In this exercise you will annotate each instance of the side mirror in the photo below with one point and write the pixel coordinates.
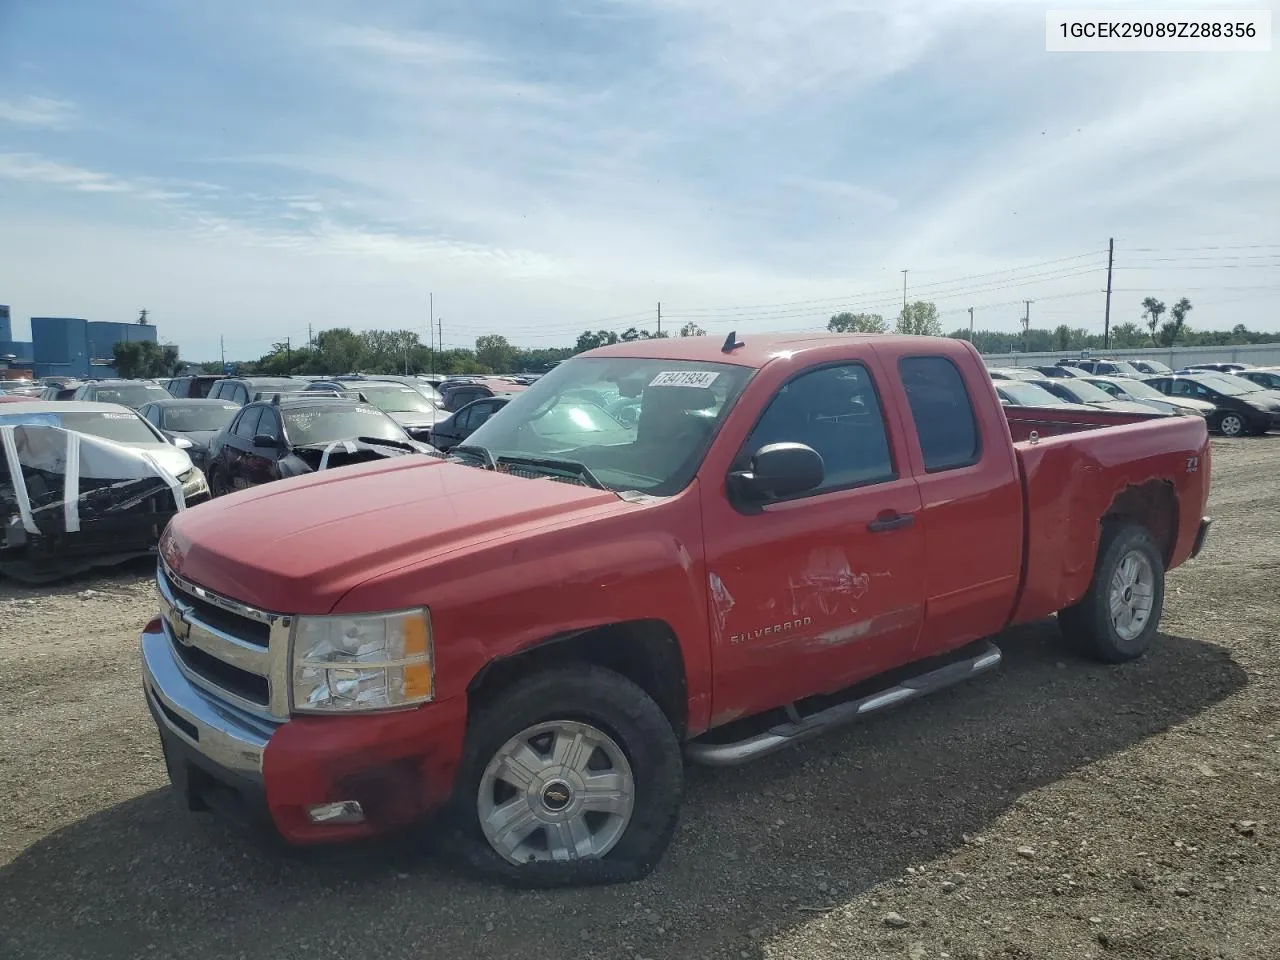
(265, 441)
(779, 470)
(182, 443)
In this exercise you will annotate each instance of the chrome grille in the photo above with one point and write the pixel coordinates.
(234, 651)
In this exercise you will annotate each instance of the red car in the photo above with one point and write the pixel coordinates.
(342, 655)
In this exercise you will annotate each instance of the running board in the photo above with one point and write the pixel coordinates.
(786, 734)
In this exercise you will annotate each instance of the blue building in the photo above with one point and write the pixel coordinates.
(73, 347)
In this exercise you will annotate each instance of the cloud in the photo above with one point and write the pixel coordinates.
(38, 112)
(32, 168)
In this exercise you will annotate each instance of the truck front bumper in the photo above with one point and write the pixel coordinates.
(399, 766)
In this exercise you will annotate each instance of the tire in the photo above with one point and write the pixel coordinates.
(1232, 424)
(1127, 551)
(614, 725)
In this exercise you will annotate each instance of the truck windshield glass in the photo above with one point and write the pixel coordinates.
(326, 424)
(574, 413)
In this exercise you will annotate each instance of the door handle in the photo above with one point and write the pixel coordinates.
(893, 521)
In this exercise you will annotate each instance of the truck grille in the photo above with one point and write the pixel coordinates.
(231, 650)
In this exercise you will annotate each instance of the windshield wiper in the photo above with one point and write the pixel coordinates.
(475, 450)
(386, 442)
(555, 463)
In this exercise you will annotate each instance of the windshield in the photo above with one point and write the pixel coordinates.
(130, 394)
(1086, 392)
(1232, 386)
(1126, 369)
(654, 448)
(122, 427)
(1028, 394)
(395, 398)
(195, 419)
(1144, 391)
(1155, 366)
(325, 424)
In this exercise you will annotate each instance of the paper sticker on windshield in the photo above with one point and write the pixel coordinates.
(684, 378)
(117, 416)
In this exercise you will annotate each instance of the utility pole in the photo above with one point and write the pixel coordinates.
(311, 342)
(431, 322)
(1026, 327)
(288, 355)
(904, 293)
(222, 343)
(440, 333)
(1106, 316)
(971, 324)
(659, 318)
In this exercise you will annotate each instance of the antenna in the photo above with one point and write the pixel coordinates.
(731, 343)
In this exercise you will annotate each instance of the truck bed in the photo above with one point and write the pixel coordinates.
(1077, 465)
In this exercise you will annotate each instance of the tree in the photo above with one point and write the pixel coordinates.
(1152, 308)
(1062, 337)
(145, 359)
(589, 341)
(495, 352)
(920, 319)
(859, 323)
(691, 329)
(1128, 334)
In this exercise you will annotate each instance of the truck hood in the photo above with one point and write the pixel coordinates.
(297, 546)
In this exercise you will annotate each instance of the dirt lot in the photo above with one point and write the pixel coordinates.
(1055, 809)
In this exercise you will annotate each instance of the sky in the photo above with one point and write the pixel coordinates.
(243, 170)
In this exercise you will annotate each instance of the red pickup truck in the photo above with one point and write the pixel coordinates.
(785, 533)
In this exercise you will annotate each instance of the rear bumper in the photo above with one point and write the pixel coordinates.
(1201, 535)
(399, 766)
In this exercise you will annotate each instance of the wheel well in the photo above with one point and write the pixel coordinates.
(1153, 505)
(646, 652)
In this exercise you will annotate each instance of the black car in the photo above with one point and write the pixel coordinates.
(456, 394)
(456, 427)
(54, 389)
(406, 404)
(191, 424)
(294, 434)
(1152, 368)
(129, 393)
(242, 390)
(1238, 410)
(193, 387)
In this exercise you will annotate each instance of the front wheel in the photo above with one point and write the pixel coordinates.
(1232, 425)
(1118, 617)
(570, 777)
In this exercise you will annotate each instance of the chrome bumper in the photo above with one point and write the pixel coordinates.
(229, 738)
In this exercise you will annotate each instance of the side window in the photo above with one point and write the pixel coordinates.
(462, 419)
(836, 411)
(153, 415)
(942, 411)
(482, 412)
(268, 426)
(240, 394)
(216, 392)
(247, 425)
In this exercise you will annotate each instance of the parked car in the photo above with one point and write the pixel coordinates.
(1151, 367)
(242, 390)
(1081, 391)
(1216, 367)
(1025, 393)
(456, 427)
(421, 384)
(457, 394)
(1108, 368)
(1136, 391)
(1014, 373)
(20, 388)
(52, 389)
(194, 386)
(1239, 411)
(130, 393)
(190, 424)
(119, 424)
(1058, 370)
(294, 434)
(1267, 379)
(797, 531)
(407, 405)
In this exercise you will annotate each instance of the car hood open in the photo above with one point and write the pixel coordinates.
(297, 546)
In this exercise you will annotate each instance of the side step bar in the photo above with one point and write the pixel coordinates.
(786, 734)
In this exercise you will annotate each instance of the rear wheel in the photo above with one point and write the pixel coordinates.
(1232, 424)
(570, 777)
(1117, 619)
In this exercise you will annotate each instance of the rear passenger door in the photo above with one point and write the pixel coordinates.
(970, 493)
(812, 593)
(262, 464)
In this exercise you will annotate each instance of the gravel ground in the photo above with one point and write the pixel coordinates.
(1057, 808)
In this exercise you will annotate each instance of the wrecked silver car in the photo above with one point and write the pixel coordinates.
(69, 501)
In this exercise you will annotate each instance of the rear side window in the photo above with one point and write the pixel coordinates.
(247, 426)
(942, 411)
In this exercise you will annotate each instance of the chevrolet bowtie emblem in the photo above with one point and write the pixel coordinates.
(180, 623)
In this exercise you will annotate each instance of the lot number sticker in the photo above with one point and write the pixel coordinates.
(684, 378)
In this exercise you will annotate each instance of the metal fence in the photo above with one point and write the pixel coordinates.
(1258, 355)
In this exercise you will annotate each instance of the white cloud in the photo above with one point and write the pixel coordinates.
(32, 168)
(38, 112)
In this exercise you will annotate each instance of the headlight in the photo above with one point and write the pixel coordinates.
(194, 482)
(345, 664)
